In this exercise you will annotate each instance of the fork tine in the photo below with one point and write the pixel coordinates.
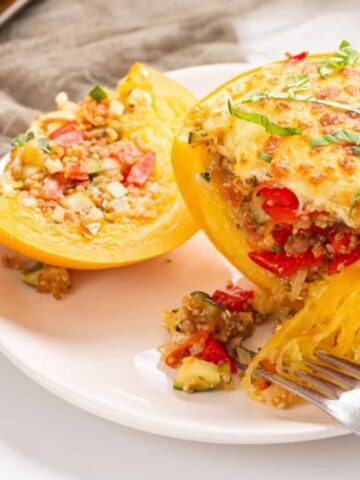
(305, 392)
(347, 366)
(326, 388)
(333, 375)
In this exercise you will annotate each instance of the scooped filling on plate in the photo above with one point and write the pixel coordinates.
(207, 333)
(74, 165)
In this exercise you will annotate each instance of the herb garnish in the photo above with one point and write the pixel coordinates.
(257, 96)
(259, 119)
(98, 93)
(21, 139)
(345, 56)
(206, 175)
(44, 145)
(336, 137)
(298, 82)
(266, 157)
(354, 202)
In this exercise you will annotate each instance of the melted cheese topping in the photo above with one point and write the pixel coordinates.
(324, 178)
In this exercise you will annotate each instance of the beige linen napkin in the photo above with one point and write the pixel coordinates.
(73, 44)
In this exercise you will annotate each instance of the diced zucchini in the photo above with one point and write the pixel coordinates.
(198, 135)
(212, 308)
(30, 275)
(244, 355)
(99, 93)
(93, 166)
(199, 296)
(197, 375)
(77, 201)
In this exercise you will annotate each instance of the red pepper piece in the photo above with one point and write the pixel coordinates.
(234, 298)
(296, 58)
(281, 233)
(343, 260)
(280, 203)
(67, 135)
(141, 171)
(283, 264)
(76, 171)
(214, 352)
(197, 341)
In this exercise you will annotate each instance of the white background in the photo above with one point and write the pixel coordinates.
(44, 438)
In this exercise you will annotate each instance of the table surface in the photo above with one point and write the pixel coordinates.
(44, 438)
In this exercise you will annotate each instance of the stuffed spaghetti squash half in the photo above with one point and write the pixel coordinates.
(269, 165)
(91, 185)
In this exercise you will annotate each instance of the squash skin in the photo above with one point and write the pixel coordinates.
(27, 232)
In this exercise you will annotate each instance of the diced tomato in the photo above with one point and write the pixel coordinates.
(76, 171)
(280, 203)
(296, 58)
(214, 352)
(234, 298)
(339, 240)
(269, 366)
(344, 260)
(141, 171)
(281, 233)
(51, 189)
(67, 135)
(196, 342)
(283, 264)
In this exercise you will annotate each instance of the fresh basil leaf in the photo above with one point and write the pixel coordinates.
(266, 157)
(258, 96)
(21, 139)
(356, 150)
(340, 59)
(206, 175)
(298, 82)
(336, 137)
(44, 145)
(98, 93)
(259, 119)
(354, 203)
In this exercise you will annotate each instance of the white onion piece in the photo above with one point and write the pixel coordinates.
(298, 283)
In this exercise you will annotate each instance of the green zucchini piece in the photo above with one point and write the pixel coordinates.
(244, 355)
(93, 166)
(200, 296)
(30, 275)
(213, 309)
(198, 135)
(197, 375)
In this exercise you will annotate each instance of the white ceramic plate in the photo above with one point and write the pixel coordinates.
(97, 347)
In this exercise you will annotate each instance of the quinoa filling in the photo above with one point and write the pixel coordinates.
(74, 165)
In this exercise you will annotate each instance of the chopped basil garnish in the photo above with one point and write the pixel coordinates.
(266, 157)
(298, 82)
(354, 202)
(259, 119)
(98, 93)
(206, 175)
(345, 56)
(257, 96)
(277, 248)
(356, 150)
(44, 145)
(21, 139)
(336, 137)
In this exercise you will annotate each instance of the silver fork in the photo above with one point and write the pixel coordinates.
(333, 384)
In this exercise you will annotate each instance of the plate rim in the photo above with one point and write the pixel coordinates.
(174, 429)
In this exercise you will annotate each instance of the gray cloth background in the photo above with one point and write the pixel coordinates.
(73, 44)
(70, 45)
